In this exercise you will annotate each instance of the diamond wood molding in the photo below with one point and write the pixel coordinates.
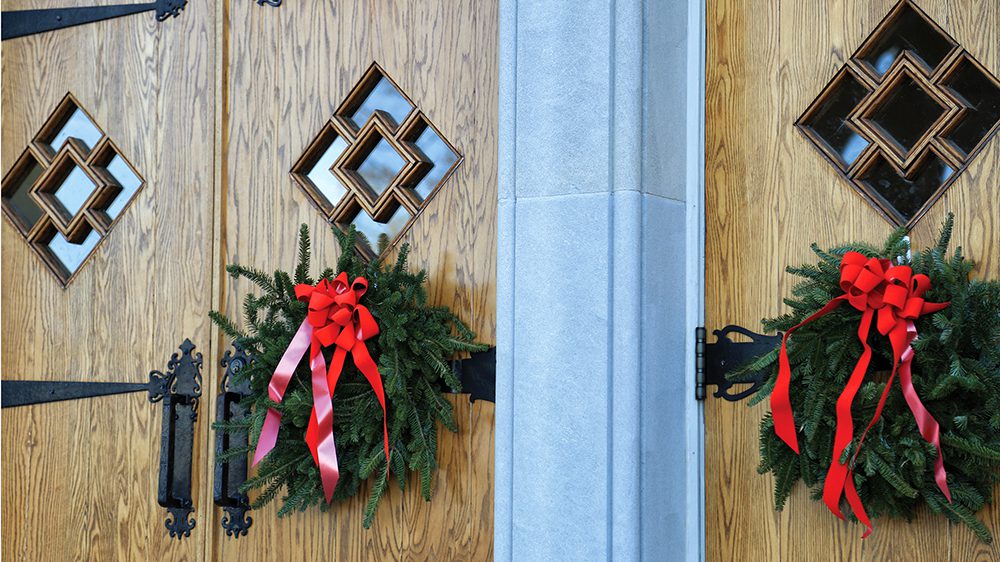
(67, 189)
(904, 117)
(376, 163)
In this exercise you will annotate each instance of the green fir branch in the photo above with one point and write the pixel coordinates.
(956, 374)
(413, 349)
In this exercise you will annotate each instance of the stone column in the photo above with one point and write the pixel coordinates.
(598, 287)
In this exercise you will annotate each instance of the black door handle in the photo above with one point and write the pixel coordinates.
(181, 393)
(231, 473)
(179, 389)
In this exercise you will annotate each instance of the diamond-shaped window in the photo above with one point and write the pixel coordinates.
(67, 189)
(376, 163)
(373, 163)
(905, 115)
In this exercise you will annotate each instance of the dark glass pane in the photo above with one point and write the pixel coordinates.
(906, 112)
(19, 200)
(828, 120)
(907, 195)
(981, 96)
(909, 31)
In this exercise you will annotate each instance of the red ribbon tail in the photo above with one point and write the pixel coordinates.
(781, 405)
(312, 436)
(313, 433)
(838, 474)
(833, 487)
(367, 366)
(878, 409)
(854, 500)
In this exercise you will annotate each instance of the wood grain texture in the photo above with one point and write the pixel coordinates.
(770, 193)
(80, 478)
(212, 107)
(288, 71)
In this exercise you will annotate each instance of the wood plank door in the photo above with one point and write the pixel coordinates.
(431, 67)
(222, 115)
(771, 191)
(80, 477)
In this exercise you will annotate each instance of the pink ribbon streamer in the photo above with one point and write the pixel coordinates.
(326, 451)
(335, 318)
(929, 428)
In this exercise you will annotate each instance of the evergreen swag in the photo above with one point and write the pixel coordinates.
(956, 372)
(412, 351)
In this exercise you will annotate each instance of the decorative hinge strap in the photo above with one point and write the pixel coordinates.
(714, 361)
(20, 23)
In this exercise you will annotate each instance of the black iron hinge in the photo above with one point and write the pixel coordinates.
(26, 393)
(19, 23)
(478, 375)
(714, 361)
(179, 390)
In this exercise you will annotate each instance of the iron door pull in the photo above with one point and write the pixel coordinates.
(231, 473)
(182, 390)
(179, 389)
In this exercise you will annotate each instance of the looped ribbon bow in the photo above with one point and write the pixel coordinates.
(335, 318)
(870, 285)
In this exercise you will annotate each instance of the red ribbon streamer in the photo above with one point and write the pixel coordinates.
(335, 318)
(871, 286)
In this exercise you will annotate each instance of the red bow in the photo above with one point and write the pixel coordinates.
(869, 285)
(335, 318)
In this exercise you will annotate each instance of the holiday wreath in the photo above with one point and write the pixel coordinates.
(319, 432)
(863, 318)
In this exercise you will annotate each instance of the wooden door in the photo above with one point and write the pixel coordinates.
(80, 477)
(289, 71)
(215, 110)
(770, 193)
